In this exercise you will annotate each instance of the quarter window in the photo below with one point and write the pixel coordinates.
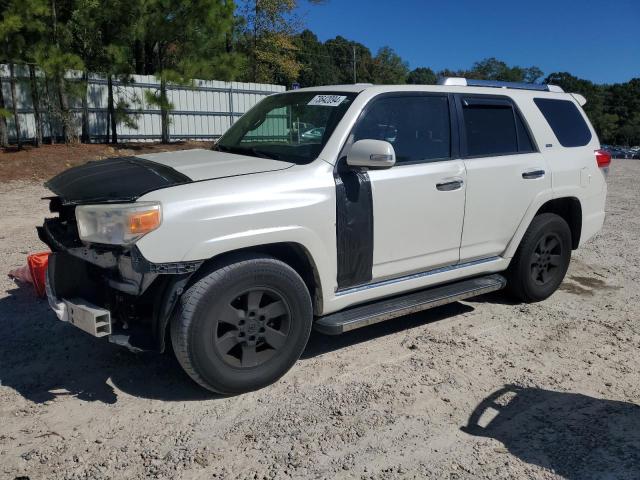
(493, 127)
(565, 120)
(417, 126)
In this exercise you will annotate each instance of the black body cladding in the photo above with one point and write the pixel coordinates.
(121, 179)
(354, 229)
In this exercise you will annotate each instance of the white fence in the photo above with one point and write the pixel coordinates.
(203, 110)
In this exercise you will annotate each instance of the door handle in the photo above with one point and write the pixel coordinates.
(450, 184)
(533, 174)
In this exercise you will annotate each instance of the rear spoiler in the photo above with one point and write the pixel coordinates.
(579, 98)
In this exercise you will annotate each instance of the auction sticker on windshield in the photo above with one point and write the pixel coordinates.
(327, 100)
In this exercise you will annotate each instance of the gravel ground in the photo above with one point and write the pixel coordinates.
(477, 389)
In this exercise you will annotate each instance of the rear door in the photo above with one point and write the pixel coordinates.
(418, 204)
(505, 172)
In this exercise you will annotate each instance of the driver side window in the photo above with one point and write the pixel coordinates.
(418, 127)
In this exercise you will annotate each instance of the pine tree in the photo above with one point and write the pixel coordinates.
(55, 57)
(103, 33)
(187, 40)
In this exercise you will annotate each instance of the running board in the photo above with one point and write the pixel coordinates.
(388, 308)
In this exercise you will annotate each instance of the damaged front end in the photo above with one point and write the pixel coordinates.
(110, 289)
(139, 295)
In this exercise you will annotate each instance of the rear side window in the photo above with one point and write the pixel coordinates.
(565, 120)
(493, 127)
(418, 127)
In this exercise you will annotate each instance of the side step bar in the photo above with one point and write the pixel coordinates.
(388, 308)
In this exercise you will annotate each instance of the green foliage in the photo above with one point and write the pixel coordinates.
(260, 40)
(102, 34)
(267, 40)
(314, 59)
(389, 68)
(341, 52)
(494, 69)
(155, 99)
(188, 39)
(123, 116)
(422, 76)
(23, 25)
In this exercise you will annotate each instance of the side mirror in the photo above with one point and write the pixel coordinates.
(374, 154)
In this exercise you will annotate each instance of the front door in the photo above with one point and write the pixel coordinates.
(418, 204)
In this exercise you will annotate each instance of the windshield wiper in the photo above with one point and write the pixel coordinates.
(244, 151)
(221, 148)
(263, 154)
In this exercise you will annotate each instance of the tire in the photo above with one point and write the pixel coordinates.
(242, 326)
(542, 259)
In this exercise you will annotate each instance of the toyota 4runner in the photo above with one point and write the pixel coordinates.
(329, 208)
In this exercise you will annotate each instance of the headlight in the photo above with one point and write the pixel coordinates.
(117, 224)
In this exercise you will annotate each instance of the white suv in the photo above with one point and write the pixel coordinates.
(408, 197)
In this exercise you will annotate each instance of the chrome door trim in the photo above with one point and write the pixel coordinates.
(413, 276)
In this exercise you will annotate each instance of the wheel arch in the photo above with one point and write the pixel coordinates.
(570, 209)
(293, 254)
(567, 207)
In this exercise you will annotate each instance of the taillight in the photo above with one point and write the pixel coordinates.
(603, 158)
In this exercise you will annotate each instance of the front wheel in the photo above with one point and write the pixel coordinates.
(542, 259)
(242, 326)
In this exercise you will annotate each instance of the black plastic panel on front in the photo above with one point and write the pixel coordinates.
(115, 179)
(71, 277)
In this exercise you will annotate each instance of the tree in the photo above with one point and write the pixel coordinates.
(103, 38)
(56, 58)
(21, 30)
(629, 132)
(267, 38)
(494, 69)
(314, 59)
(389, 67)
(422, 76)
(4, 114)
(188, 41)
(344, 53)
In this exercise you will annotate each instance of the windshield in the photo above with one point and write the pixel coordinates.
(293, 127)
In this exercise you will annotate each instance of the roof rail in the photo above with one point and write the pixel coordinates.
(470, 82)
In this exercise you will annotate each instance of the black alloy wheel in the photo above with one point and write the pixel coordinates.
(242, 324)
(547, 259)
(252, 328)
(541, 260)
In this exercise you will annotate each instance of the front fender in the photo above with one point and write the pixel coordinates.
(296, 234)
(205, 219)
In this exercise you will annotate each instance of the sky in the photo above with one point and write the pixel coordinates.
(596, 40)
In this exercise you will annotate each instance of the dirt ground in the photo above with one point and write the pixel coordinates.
(477, 389)
(42, 163)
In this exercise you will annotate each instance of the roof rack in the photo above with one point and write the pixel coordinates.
(470, 82)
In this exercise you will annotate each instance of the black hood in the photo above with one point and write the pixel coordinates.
(121, 179)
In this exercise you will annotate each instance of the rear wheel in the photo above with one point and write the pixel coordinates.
(242, 326)
(542, 259)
